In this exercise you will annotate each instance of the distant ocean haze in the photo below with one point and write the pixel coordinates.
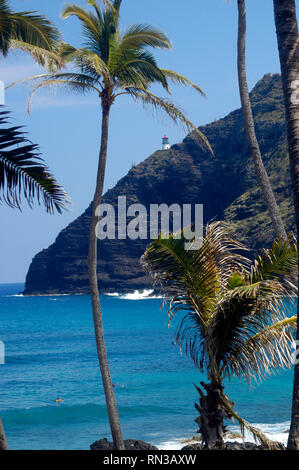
(50, 352)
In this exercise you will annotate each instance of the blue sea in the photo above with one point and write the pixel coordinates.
(50, 351)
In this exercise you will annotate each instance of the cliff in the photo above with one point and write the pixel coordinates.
(224, 183)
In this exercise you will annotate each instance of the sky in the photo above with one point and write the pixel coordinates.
(67, 126)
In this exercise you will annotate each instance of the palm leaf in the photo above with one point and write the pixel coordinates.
(89, 20)
(35, 29)
(181, 80)
(23, 172)
(140, 36)
(52, 61)
(263, 353)
(258, 435)
(176, 114)
(280, 260)
(136, 67)
(5, 27)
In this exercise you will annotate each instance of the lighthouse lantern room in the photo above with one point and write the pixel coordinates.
(165, 143)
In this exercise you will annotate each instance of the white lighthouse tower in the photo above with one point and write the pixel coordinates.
(165, 143)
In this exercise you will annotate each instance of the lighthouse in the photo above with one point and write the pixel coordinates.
(165, 143)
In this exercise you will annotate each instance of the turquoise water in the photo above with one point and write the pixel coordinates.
(50, 352)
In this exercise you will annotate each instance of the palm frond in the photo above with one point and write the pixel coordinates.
(74, 85)
(275, 262)
(140, 36)
(52, 61)
(258, 435)
(181, 80)
(80, 77)
(136, 68)
(89, 20)
(176, 114)
(24, 173)
(89, 61)
(35, 29)
(263, 353)
(5, 27)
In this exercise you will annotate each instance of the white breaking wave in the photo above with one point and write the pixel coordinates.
(275, 432)
(136, 295)
(278, 432)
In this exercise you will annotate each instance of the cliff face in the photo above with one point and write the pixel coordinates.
(224, 183)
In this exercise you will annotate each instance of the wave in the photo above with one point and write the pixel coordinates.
(146, 294)
(275, 432)
(56, 414)
(278, 432)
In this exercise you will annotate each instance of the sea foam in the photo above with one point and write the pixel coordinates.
(275, 432)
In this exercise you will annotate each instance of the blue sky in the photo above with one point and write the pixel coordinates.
(67, 127)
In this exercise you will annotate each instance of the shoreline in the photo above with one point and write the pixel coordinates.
(275, 432)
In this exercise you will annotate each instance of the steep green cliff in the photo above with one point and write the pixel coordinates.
(224, 183)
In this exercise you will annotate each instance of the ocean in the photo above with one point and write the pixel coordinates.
(50, 351)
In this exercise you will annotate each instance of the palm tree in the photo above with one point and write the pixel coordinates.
(235, 320)
(32, 33)
(288, 46)
(261, 173)
(3, 441)
(113, 64)
(24, 173)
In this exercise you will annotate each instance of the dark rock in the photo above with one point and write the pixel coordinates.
(130, 444)
(224, 183)
(250, 446)
(195, 446)
(234, 446)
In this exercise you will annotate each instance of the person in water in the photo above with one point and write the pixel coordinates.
(59, 400)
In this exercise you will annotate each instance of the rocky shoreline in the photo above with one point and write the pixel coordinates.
(133, 444)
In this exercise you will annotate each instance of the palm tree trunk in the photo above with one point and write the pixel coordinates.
(260, 170)
(211, 415)
(94, 291)
(288, 46)
(3, 442)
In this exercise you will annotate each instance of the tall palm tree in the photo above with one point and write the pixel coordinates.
(288, 46)
(112, 64)
(261, 173)
(235, 320)
(30, 32)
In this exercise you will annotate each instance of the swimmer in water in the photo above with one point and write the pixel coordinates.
(59, 400)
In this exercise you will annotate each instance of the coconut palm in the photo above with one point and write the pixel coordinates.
(23, 173)
(112, 64)
(235, 321)
(261, 173)
(288, 46)
(30, 32)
